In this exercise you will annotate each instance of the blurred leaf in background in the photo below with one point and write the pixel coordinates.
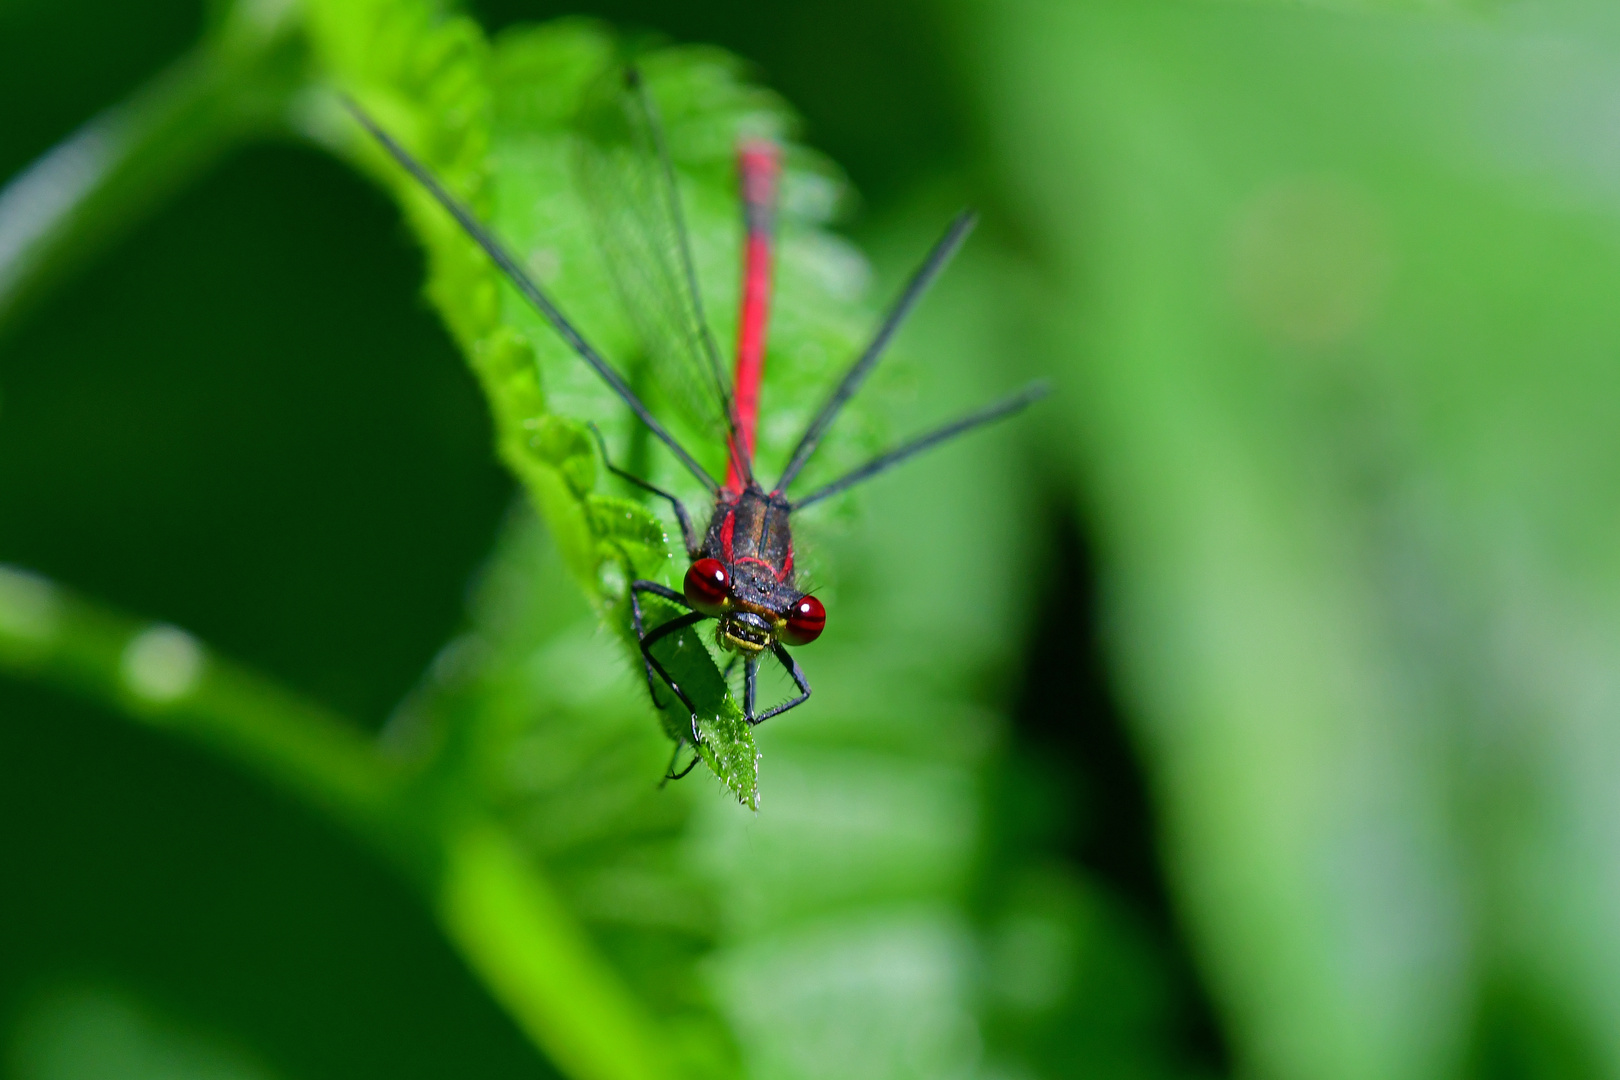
(1333, 300)
(85, 1033)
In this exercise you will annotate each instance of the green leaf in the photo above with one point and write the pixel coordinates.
(633, 932)
(91, 1033)
(169, 680)
(499, 128)
(531, 722)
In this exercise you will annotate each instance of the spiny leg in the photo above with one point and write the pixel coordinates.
(673, 626)
(515, 273)
(750, 673)
(688, 534)
(937, 258)
(636, 589)
(989, 414)
(799, 680)
(669, 770)
(690, 765)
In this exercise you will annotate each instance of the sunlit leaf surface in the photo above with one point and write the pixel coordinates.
(1337, 331)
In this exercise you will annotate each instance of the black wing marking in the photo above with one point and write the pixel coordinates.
(989, 414)
(531, 291)
(937, 259)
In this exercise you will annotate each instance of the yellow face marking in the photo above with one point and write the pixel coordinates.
(741, 640)
(736, 644)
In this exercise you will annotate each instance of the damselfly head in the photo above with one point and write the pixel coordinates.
(750, 626)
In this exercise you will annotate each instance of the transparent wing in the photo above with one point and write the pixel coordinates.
(629, 186)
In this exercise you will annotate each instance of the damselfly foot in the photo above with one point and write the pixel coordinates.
(669, 770)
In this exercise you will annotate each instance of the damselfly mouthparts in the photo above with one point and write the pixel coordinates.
(741, 571)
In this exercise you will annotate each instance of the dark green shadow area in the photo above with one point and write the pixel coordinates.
(298, 470)
(1074, 784)
(68, 60)
(139, 865)
(870, 79)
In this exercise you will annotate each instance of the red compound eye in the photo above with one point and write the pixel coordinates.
(707, 586)
(805, 621)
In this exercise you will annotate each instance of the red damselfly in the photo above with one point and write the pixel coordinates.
(741, 570)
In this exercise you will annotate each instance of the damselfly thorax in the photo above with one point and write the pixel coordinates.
(743, 575)
(751, 537)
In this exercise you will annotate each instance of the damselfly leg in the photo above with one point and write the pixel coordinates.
(637, 620)
(649, 639)
(688, 533)
(750, 672)
(669, 770)
(794, 672)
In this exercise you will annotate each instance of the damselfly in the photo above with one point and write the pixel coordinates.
(741, 571)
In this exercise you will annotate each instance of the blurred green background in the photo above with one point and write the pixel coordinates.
(1252, 707)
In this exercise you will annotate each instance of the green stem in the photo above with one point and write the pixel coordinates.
(493, 902)
(87, 190)
(535, 958)
(165, 678)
